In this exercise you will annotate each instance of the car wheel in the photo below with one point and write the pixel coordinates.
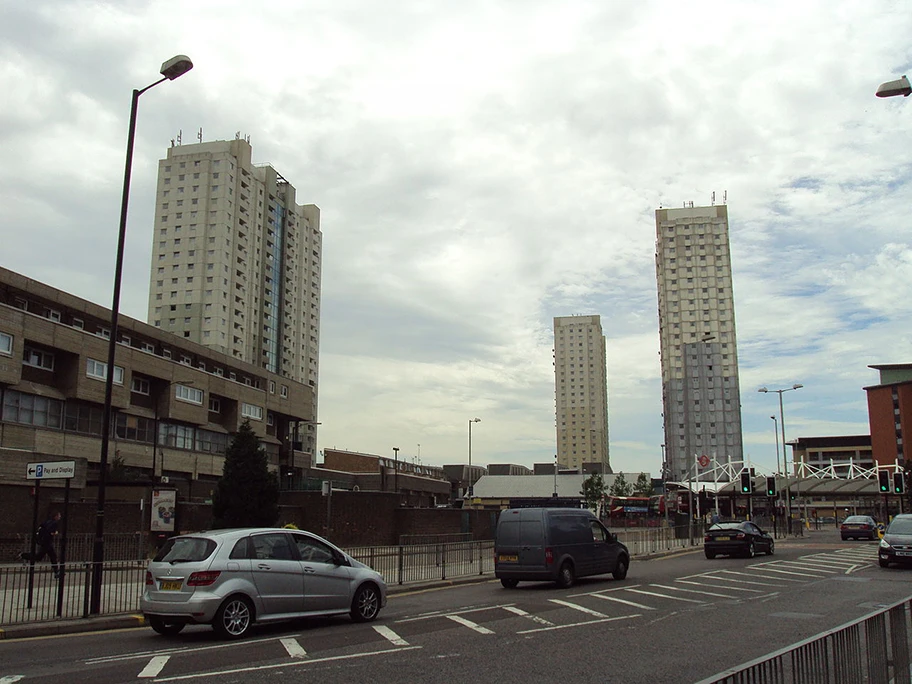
(565, 575)
(366, 603)
(883, 563)
(751, 551)
(164, 628)
(710, 554)
(620, 570)
(233, 618)
(508, 583)
(771, 548)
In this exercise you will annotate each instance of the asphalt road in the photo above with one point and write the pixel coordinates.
(675, 619)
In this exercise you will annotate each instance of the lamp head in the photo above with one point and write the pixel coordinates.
(773, 417)
(797, 385)
(763, 389)
(900, 86)
(176, 67)
(475, 420)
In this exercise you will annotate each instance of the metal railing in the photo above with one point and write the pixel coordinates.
(29, 594)
(874, 648)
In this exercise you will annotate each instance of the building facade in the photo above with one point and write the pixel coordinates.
(175, 403)
(835, 454)
(701, 395)
(580, 392)
(236, 262)
(890, 413)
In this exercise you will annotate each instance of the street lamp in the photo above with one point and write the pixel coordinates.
(788, 489)
(173, 68)
(471, 420)
(900, 86)
(396, 472)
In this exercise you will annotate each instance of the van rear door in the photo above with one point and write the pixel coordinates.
(519, 544)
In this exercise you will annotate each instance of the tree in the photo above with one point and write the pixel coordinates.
(247, 494)
(620, 486)
(592, 491)
(643, 486)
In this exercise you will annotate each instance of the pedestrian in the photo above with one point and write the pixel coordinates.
(46, 533)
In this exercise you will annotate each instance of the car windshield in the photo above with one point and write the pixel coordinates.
(858, 519)
(726, 526)
(903, 526)
(185, 550)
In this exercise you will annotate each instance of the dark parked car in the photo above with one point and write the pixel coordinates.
(736, 538)
(859, 527)
(896, 545)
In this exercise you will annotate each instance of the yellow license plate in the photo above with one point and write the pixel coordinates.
(170, 585)
(723, 538)
(508, 559)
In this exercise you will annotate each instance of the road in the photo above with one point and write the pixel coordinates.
(676, 619)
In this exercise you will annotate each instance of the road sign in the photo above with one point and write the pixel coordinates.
(51, 471)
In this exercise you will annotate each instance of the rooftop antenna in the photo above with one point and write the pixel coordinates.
(725, 197)
(199, 136)
(714, 198)
(237, 135)
(180, 133)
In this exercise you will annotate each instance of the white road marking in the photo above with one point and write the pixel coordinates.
(740, 581)
(579, 624)
(471, 625)
(606, 591)
(694, 591)
(534, 618)
(10, 679)
(618, 600)
(764, 568)
(578, 607)
(295, 650)
(808, 565)
(275, 666)
(390, 635)
(154, 667)
(673, 598)
(706, 584)
(438, 614)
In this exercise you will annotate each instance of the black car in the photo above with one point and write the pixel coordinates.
(858, 527)
(736, 538)
(896, 545)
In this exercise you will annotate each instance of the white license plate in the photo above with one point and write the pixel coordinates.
(723, 539)
(170, 585)
(904, 553)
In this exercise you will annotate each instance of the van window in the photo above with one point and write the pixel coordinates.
(532, 533)
(571, 529)
(598, 532)
(508, 533)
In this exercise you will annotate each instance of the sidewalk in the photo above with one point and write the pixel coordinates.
(128, 620)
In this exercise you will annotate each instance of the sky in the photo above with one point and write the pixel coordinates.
(482, 167)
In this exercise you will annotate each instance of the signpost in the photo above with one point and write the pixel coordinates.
(53, 470)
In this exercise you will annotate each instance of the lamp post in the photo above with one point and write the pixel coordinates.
(471, 483)
(779, 469)
(396, 472)
(788, 489)
(173, 68)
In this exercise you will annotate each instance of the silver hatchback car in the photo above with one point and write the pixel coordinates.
(232, 579)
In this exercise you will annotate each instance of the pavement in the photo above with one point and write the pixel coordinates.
(47, 628)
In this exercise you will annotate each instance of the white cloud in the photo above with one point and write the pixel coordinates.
(483, 167)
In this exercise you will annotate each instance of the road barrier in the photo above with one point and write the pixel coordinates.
(874, 648)
(31, 594)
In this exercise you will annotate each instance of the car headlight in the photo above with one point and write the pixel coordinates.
(884, 544)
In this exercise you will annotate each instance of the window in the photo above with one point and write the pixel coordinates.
(19, 407)
(78, 323)
(135, 428)
(284, 391)
(99, 371)
(6, 344)
(147, 347)
(139, 385)
(188, 394)
(178, 436)
(215, 406)
(38, 358)
(251, 411)
(213, 442)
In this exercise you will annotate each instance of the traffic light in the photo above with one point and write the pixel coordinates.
(899, 483)
(747, 484)
(884, 478)
(771, 486)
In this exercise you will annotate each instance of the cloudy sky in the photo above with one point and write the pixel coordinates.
(482, 167)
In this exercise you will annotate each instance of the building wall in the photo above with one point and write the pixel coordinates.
(698, 344)
(890, 419)
(580, 391)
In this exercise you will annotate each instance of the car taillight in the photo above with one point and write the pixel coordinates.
(149, 581)
(203, 579)
(707, 538)
(842, 527)
(741, 535)
(549, 556)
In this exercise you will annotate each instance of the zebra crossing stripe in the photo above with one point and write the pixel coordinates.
(390, 635)
(471, 625)
(293, 647)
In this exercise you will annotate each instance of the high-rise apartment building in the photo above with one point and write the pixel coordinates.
(700, 390)
(580, 392)
(236, 262)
